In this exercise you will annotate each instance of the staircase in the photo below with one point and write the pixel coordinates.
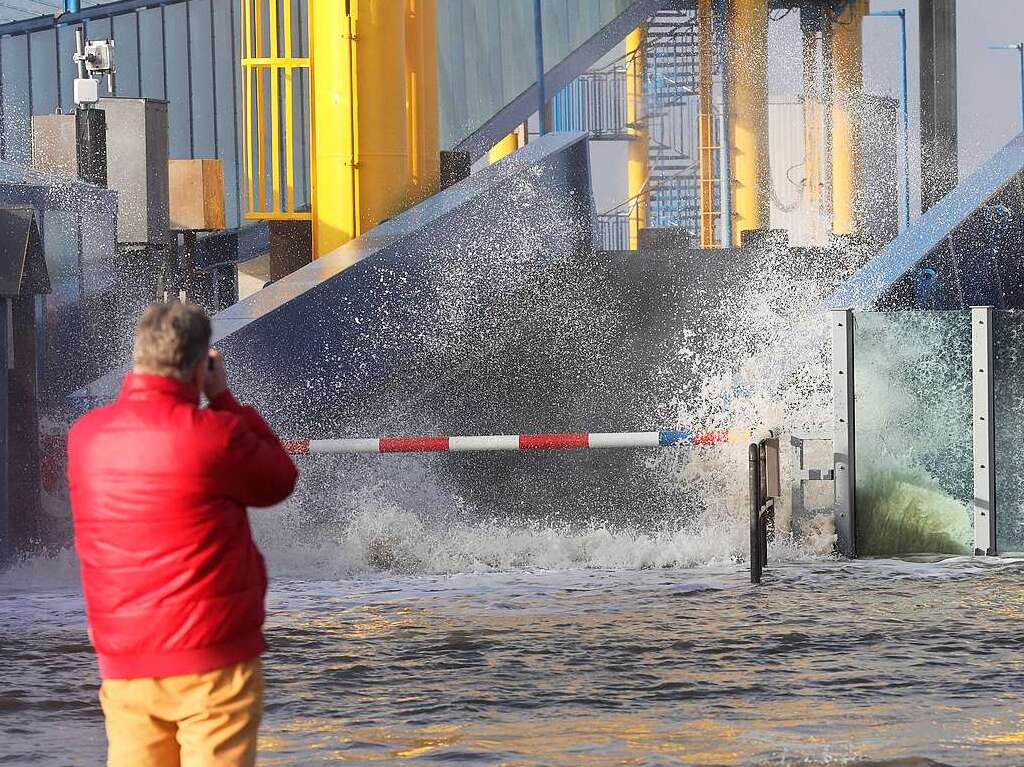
(596, 102)
(671, 94)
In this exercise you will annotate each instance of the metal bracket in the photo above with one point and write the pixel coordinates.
(817, 475)
(843, 441)
(982, 384)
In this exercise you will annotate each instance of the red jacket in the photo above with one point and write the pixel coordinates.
(173, 582)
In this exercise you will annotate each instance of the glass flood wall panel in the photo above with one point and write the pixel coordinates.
(913, 440)
(1008, 372)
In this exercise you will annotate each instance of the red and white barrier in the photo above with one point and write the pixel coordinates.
(506, 442)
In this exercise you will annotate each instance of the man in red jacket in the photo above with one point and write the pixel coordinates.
(174, 584)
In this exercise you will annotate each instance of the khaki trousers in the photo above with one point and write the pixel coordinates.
(196, 720)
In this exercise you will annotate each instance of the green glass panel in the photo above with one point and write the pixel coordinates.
(913, 442)
(1008, 372)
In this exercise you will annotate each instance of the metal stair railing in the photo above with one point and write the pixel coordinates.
(671, 202)
(596, 103)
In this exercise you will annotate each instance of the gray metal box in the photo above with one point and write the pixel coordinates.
(137, 156)
(54, 144)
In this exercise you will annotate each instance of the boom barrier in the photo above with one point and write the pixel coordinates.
(511, 442)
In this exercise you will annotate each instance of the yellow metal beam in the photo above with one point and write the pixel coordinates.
(747, 22)
(705, 60)
(422, 106)
(261, 120)
(847, 86)
(275, 111)
(332, 126)
(638, 163)
(247, 52)
(268, 59)
(504, 148)
(360, 143)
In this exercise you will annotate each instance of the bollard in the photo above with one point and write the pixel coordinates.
(754, 475)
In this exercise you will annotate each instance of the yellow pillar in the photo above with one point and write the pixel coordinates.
(359, 147)
(422, 108)
(504, 148)
(638, 164)
(705, 50)
(747, 31)
(847, 85)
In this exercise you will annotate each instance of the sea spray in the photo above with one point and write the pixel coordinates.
(905, 512)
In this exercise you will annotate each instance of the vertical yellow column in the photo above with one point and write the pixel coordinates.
(747, 22)
(422, 108)
(847, 85)
(504, 148)
(360, 148)
(333, 126)
(705, 62)
(638, 164)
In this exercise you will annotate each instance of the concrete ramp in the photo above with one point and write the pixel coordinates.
(482, 310)
(964, 251)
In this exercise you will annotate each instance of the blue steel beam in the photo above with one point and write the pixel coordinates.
(93, 12)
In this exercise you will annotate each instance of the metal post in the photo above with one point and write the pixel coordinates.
(80, 49)
(843, 442)
(72, 6)
(906, 120)
(705, 81)
(1019, 47)
(538, 42)
(902, 14)
(754, 477)
(6, 352)
(984, 432)
(1020, 50)
(762, 511)
(939, 137)
(725, 124)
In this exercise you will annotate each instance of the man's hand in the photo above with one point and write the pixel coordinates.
(216, 377)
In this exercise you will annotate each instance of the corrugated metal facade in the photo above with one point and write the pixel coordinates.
(487, 52)
(187, 52)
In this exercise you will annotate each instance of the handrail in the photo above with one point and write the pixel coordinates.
(653, 39)
(765, 489)
(628, 204)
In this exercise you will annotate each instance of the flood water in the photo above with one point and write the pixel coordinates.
(827, 663)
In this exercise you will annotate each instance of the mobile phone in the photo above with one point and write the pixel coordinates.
(209, 364)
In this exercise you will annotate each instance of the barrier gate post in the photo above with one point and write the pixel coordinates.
(843, 441)
(982, 384)
(754, 477)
